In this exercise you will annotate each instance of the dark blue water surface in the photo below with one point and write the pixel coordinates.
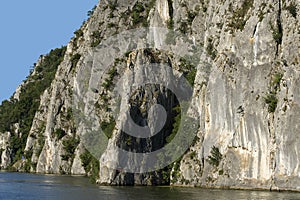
(33, 186)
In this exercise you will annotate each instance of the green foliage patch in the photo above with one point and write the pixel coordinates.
(292, 8)
(75, 59)
(238, 21)
(272, 101)
(69, 146)
(108, 82)
(96, 38)
(91, 165)
(215, 157)
(140, 13)
(59, 133)
(210, 49)
(188, 69)
(108, 127)
(271, 98)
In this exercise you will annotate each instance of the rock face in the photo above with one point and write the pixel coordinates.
(257, 138)
(245, 95)
(5, 150)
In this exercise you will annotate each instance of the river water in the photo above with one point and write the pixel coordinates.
(33, 186)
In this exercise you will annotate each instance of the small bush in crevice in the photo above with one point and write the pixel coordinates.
(277, 34)
(188, 69)
(271, 100)
(210, 49)
(59, 133)
(108, 127)
(69, 146)
(69, 115)
(292, 8)
(75, 59)
(109, 81)
(96, 38)
(78, 33)
(276, 80)
(191, 75)
(215, 157)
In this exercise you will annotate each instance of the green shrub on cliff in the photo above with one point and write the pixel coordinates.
(91, 165)
(272, 101)
(69, 146)
(215, 156)
(292, 8)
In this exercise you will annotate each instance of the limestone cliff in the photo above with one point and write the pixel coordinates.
(242, 61)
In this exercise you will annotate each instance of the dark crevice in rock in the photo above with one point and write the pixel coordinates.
(171, 13)
(279, 33)
(254, 31)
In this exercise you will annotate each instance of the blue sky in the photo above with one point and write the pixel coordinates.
(31, 28)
